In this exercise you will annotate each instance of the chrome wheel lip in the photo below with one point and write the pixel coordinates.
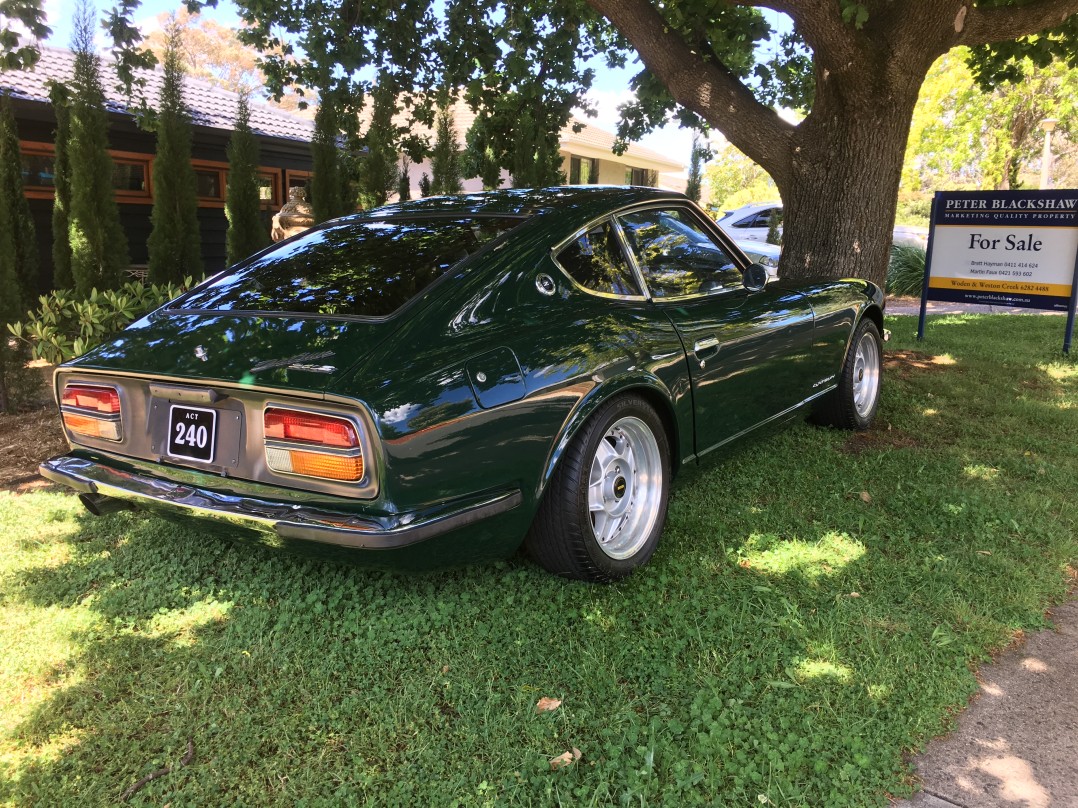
(627, 459)
(866, 375)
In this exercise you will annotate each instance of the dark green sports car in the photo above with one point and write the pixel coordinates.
(437, 382)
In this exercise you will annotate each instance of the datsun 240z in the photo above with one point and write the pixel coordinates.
(436, 382)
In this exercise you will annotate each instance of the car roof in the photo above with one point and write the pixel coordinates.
(527, 201)
(751, 208)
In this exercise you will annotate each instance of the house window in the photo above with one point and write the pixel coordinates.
(208, 184)
(267, 189)
(38, 171)
(583, 170)
(298, 179)
(132, 177)
(129, 176)
(641, 176)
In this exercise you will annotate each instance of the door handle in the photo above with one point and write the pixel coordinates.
(705, 344)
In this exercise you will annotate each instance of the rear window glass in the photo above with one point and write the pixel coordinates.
(361, 268)
(596, 261)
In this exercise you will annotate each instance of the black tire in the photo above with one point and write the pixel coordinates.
(853, 404)
(565, 536)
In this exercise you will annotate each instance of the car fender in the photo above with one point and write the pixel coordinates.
(648, 384)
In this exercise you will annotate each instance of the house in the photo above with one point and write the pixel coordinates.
(587, 158)
(284, 142)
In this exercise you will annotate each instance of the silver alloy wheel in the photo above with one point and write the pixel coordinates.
(625, 487)
(866, 374)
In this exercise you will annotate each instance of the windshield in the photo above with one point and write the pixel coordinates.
(361, 268)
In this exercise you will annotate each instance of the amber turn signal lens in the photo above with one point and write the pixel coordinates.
(315, 464)
(92, 427)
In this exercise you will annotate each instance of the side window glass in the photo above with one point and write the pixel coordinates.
(596, 261)
(676, 256)
(748, 221)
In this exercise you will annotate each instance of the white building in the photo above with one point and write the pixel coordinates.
(587, 158)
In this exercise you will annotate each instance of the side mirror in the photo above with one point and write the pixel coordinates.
(755, 277)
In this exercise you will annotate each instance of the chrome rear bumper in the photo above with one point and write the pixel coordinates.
(282, 520)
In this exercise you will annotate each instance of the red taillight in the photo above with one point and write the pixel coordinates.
(305, 427)
(94, 399)
(92, 411)
(328, 447)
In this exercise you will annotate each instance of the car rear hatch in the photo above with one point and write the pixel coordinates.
(293, 352)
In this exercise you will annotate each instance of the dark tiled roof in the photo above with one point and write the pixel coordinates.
(210, 106)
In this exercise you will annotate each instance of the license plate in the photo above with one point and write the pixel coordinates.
(191, 432)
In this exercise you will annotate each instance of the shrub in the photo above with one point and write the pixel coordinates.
(774, 227)
(64, 326)
(906, 272)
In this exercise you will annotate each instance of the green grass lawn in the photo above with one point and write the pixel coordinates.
(811, 616)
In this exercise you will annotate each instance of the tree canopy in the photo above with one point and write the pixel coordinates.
(965, 136)
(854, 67)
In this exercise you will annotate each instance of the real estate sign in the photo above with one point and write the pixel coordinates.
(1004, 248)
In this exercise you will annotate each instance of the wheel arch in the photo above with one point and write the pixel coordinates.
(875, 314)
(648, 387)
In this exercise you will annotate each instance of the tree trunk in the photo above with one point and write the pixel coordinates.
(840, 198)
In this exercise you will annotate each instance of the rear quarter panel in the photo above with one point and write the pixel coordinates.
(837, 307)
(573, 351)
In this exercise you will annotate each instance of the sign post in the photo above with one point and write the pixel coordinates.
(1004, 248)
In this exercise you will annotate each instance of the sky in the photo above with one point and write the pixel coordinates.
(609, 90)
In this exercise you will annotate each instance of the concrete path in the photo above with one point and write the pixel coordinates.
(912, 305)
(1016, 745)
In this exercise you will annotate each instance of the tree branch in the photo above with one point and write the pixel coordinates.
(707, 88)
(985, 25)
(822, 27)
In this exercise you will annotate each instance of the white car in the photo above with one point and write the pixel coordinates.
(762, 253)
(750, 222)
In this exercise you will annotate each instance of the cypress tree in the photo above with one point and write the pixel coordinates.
(60, 97)
(18, 251)
(445, 168)
(246, 234)
(98, 245)
(378, 172)
(404, 184)
(696, 170)
(479, 158)
(424, 185)
(18, 239)
(329, 180)
(175, 247)
(536, 158)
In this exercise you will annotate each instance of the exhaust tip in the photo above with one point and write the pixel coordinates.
(99, 505)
